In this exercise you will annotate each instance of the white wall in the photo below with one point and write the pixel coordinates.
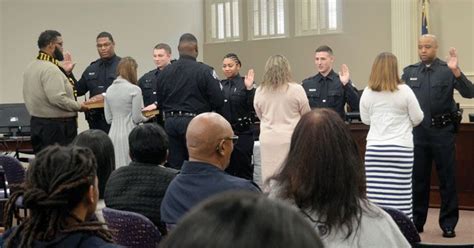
(136, 25)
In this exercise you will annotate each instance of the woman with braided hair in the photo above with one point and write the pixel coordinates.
(238, 110)
(61, 194)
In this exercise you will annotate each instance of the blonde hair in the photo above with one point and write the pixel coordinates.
(384, 75)
(127, 69)
(277, 73)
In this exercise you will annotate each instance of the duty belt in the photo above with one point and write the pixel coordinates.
(443, 120)
(179, 114)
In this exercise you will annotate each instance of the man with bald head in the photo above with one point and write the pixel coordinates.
(210, 141)
(185, 89)
(433, 82)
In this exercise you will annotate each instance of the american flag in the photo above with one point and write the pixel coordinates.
(425, 16)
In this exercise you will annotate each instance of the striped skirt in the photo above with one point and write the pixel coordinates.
(388, 170)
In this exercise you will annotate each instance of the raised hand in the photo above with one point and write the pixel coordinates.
(249, 79)
(67, 63)
(344, 75)
(452, 62)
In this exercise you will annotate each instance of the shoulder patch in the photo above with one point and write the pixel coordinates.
(214, 74)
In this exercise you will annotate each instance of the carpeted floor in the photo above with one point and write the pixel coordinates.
(464, 230)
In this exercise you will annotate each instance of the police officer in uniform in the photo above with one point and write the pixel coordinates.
(327, 89)
(185, 89)
(161, 58)
(433, 81)
(238, 107)
(97, 77)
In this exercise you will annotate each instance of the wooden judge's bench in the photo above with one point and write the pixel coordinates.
(464, 164)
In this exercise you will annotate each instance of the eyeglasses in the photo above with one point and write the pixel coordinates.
(234, 139)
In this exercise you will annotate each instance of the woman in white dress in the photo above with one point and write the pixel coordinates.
(123, 104)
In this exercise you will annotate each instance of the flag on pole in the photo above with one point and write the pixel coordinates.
(425, 16)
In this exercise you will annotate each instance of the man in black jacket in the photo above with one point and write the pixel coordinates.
(185, 89)
(433, 81)
(327, 89)
(97, 77)
(161, 58)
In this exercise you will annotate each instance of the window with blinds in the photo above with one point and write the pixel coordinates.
(317, 17)
(267, 18)
(223, 20)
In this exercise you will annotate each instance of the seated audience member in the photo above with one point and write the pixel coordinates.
(141, 186)
(61, 194)
(242, 219)
(209, 139)
(323, 176)
(101, 145)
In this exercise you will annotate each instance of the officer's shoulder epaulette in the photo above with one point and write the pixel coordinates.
(443, 63)
(152, 71)
(310, 78)
(95, 61)
(206, 65)
(414, 65)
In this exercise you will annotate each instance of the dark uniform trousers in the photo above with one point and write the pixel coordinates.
(96, 120)
(50, 131)
(176, 127)
(241, 158)
(436, 144)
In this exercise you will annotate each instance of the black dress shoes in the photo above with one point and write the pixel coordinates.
(449, 233)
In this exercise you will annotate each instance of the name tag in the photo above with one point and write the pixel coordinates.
(413, 79)
(312, 90)
(91, 73)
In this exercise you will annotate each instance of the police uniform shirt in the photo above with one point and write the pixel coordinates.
(189, 86)
(98, 76)
(238, 101)
(329, 92)
(148, 85)
(434, 86)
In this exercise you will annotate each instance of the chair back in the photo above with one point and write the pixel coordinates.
(406, 226)
(131, 229)
(14, 171)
